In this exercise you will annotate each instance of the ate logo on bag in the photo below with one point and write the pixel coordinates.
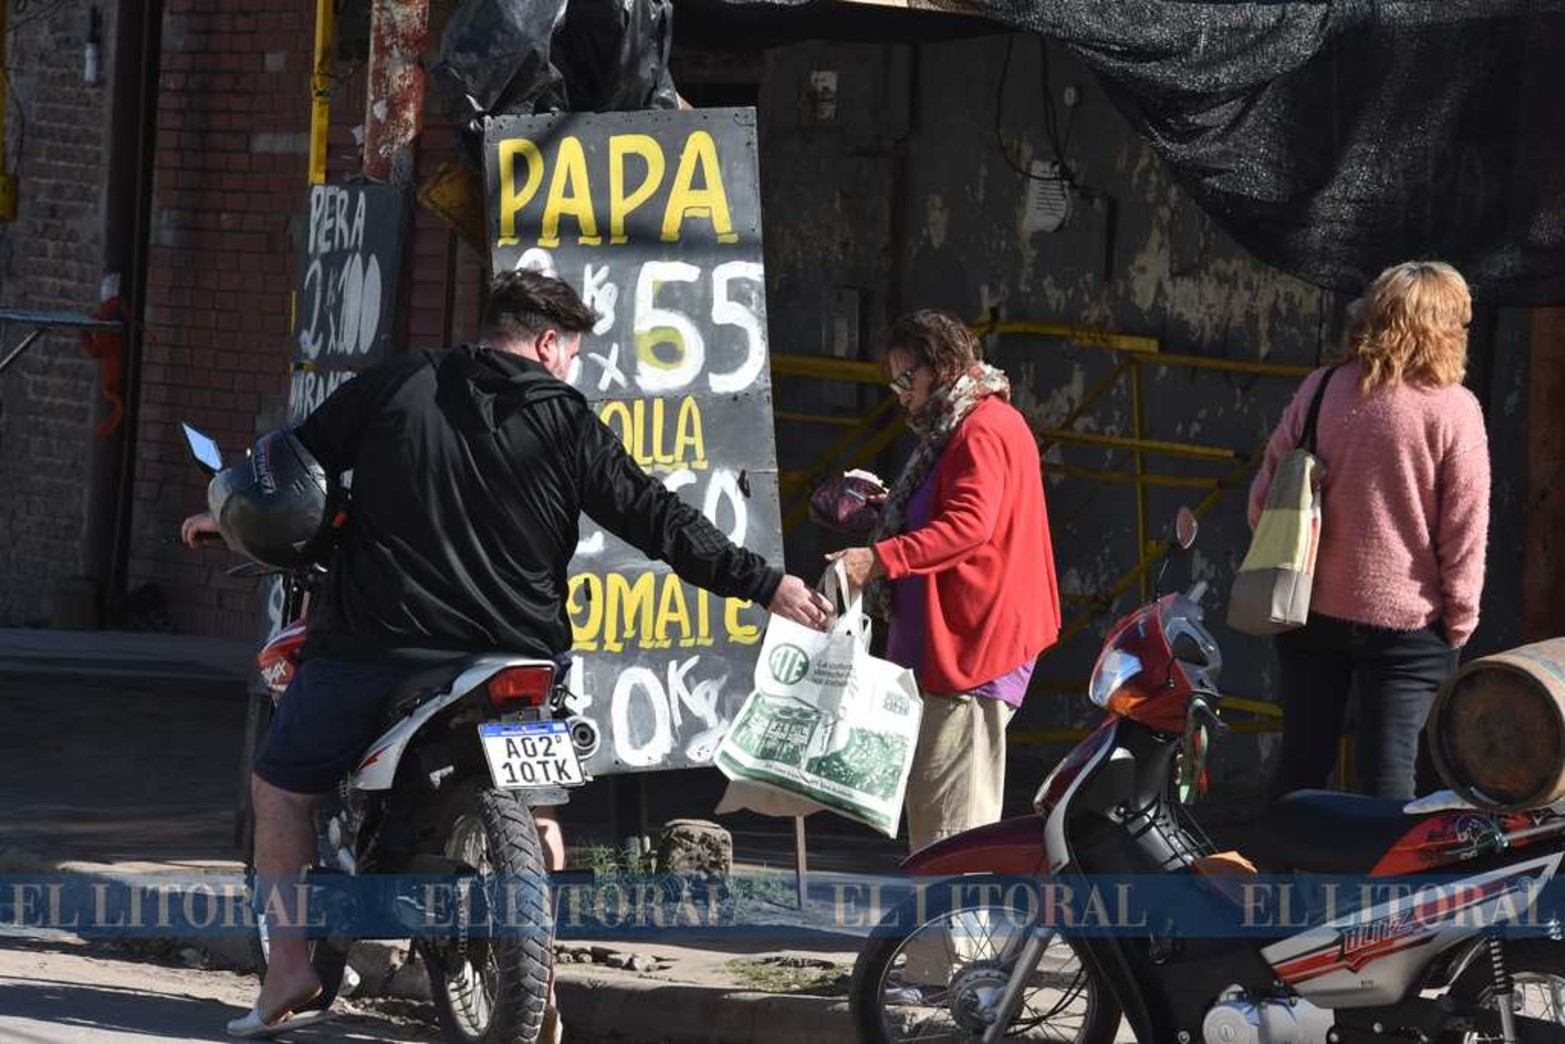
(829, 726)
(789, 664)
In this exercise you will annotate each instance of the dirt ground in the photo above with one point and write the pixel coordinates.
(61, 990)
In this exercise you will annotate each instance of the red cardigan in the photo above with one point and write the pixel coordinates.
(993, 602)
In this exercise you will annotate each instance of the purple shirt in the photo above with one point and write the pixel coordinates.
(905, 643)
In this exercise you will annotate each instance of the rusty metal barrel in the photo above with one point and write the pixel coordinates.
(1497, 728)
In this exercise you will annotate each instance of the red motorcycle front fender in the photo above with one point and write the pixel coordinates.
(1012, 847)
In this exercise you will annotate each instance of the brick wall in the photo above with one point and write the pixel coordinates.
(231, 165)
(50, 259)
(232, 158)
(230, 177)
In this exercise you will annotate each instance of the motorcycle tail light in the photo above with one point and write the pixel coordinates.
(528, 686)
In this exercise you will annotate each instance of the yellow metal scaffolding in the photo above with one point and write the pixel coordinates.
(865, 438)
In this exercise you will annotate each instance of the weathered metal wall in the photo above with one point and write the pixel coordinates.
(899, 190)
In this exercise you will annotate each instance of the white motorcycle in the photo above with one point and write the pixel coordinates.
(465, 750)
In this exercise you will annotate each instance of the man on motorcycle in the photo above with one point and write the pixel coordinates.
(470, 471)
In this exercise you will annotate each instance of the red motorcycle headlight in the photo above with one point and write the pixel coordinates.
(528, 686)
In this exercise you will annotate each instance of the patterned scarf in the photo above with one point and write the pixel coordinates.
(934, 425)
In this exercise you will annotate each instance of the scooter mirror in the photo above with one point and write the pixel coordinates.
(1185, 528)
(204, 448)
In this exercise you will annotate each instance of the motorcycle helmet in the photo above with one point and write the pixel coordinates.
(279, 505)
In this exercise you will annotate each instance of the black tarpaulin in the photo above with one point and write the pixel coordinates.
(1333, 139)
(519, 57)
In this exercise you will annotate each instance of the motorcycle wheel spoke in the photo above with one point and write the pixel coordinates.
(937, 1033)
(1541, 997)
(986, 942)
(473, 987)
(1535, 996)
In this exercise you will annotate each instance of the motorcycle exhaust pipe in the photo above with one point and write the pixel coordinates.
(585, 737)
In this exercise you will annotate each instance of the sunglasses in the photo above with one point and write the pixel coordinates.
(903, 381)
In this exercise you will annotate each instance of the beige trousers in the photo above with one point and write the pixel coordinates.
(958, 777)
(957, 783)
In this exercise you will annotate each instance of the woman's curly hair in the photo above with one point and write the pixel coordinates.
(938, 340)
(1411, 325)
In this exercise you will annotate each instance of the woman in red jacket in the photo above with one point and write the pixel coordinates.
(962, 567)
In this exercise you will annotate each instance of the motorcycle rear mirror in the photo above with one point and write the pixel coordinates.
(204, 448)
(1182, 539)
(1185, 528)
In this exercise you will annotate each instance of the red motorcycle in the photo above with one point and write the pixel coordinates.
(1449, 941)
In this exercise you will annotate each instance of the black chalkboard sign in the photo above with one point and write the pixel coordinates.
(349, 269)
(655, 218)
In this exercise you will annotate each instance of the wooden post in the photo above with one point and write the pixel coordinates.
(394, 109)
(799, 861)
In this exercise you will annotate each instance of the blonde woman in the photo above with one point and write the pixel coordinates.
(1405, 520)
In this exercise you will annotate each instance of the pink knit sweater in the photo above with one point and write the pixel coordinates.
(1405, 516)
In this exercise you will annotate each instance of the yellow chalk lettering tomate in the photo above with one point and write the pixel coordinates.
(585, 595)
(672, 612)
(738, 633)
(629, 613)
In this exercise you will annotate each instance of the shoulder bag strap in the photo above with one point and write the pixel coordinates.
(1312, 419)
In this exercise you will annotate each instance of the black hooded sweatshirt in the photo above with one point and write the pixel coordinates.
(471, 469)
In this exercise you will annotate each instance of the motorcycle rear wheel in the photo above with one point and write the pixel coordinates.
(493, 990)
(1538, 968)
(1065, 1001)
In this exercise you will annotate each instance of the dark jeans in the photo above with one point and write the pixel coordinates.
(1396, 674)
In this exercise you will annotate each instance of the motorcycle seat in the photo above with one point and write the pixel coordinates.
(1326, 832)
(415, 689)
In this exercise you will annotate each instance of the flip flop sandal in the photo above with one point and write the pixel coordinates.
(253, 1027)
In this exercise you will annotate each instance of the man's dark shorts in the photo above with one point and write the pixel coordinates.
(329, 715)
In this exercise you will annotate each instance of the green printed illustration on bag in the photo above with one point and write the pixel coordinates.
(782, 734)
(829, 726)
(871, 764)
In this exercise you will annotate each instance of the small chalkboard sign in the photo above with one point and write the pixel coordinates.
(655, 218)
(350, 266)
(349, 269)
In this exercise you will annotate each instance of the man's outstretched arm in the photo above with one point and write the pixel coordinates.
(640, 510)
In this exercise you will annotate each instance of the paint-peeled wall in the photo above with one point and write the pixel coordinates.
(909, 193)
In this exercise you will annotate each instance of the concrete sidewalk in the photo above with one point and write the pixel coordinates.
(123, 655)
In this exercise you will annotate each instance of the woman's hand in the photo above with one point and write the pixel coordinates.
(862, 565)
(191, 529)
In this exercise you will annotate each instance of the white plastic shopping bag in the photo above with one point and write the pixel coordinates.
(827, 725)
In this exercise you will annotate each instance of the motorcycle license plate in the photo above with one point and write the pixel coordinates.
(530, 754)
